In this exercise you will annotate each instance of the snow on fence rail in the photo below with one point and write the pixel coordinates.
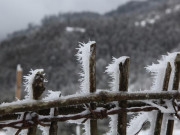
(159, 105)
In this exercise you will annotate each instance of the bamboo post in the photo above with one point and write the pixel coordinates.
(123, 86)
(170, 125)
(38, 88)
(159, 119)
(92, 81)
(19, 81)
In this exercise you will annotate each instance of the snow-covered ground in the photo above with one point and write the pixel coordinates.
(2, 133)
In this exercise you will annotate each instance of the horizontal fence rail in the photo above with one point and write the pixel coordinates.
(102, 96)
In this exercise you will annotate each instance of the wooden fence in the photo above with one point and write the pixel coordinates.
(75, 107)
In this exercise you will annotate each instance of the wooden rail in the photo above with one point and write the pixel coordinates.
(100, 97)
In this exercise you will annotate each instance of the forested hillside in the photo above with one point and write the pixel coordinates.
(132, 30)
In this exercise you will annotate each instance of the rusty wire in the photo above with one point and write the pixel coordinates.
(91, 114)
(36, 119)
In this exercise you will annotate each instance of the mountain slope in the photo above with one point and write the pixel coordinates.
(139, 7)
(52, 45)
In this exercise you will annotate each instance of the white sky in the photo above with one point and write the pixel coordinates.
(16, 14)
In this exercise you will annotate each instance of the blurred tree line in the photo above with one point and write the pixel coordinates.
(52, 47)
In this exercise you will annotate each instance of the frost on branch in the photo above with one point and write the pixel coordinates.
(29, 83)
(113, 71)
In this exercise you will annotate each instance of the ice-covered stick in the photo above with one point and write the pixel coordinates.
(38, 88)
(170, 125)
(159, 119)
(119, 71)
(92, 80)
(86, 56)
(123, 86)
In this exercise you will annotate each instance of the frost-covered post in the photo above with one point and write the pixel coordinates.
(119, 71)
(123, 86)
(171, 82)
(165, 88)
(19, 81)
(170, 125)
(38, 85)
(92, 80)
(87, 57)
(36, 88)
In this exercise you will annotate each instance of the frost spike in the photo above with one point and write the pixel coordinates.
(92, 81)
(123, 86)
(170, 125)
(160, 115)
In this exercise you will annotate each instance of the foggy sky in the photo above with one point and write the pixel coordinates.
(16, 14)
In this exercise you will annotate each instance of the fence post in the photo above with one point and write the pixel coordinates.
(54, 125)
(159, 119)
(92, 81)
(38, 88)
(19, 81)
(170, 125)
(123, 86)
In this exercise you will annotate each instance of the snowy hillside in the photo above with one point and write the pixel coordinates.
(52, 45)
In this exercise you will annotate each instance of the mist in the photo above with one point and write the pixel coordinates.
(17, 14)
